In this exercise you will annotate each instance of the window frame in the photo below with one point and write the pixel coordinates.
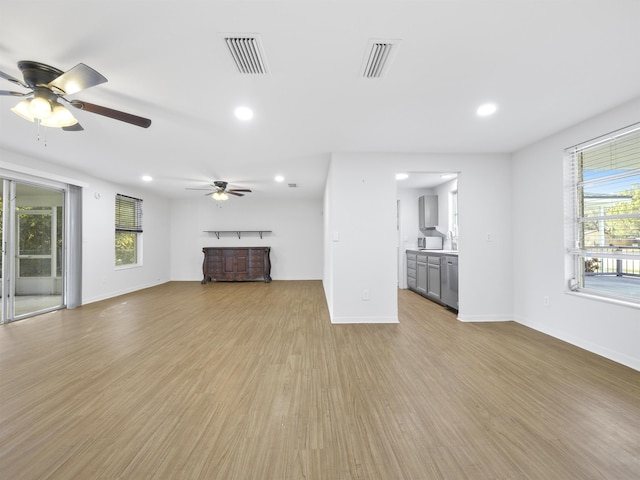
(128, 221)
(608, 169)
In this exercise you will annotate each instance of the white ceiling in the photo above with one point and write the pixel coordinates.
(547, 64)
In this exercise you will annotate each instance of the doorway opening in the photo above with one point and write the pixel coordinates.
(32, 231)
(442, 184)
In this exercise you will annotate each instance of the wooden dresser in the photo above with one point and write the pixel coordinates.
(236, 264)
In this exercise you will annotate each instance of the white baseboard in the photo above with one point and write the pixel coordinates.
(623, 359)
(117, 293)
(485, 318)
(351, 320)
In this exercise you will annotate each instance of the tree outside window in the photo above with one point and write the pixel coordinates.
(603, 223)
(128, 230)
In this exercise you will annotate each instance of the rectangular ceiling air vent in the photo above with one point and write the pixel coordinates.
(293, 185)
(378, 58)
(247, 54)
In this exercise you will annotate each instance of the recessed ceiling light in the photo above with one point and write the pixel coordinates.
(486, 109)
(402, 176)
(244, 113)
(146, 178)
(279, 178)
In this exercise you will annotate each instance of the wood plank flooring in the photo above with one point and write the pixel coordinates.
(251, 381)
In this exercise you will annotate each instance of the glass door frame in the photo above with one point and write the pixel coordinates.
(11, 247)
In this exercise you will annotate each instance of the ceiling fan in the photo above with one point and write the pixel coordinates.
(48, 85)
(221, 192)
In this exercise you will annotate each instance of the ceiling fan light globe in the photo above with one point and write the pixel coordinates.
(60, 117)
(219, 196)
(22, 110)
(40, 108)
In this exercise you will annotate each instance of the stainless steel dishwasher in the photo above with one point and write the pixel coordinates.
(449, 281)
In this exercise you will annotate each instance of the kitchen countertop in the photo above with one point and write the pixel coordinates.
(439, 252)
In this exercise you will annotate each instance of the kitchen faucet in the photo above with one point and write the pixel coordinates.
(450, 237)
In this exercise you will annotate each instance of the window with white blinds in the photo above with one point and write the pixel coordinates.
(128, 214)
(128, 238)
(603, 218)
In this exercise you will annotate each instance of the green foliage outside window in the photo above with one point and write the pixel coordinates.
(126, 248)
(35, 233)
(128, 229)
(626, 228)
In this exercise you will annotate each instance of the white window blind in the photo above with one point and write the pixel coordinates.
(603, 221)
(128, 214)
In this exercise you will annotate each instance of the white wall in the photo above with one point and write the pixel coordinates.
(366, 254)
(445, 210)
(361, 240)
(539, 260)
(327, 269)
(295, 241)
(409, 231)
(100, 277)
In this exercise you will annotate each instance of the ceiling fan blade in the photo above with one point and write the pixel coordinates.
(73, 128)
(15, 94)
(111, 113)
(238, 190)
(6, 76)
(231, 192)
(76, 79)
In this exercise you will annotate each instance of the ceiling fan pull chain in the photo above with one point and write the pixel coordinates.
(44, 133)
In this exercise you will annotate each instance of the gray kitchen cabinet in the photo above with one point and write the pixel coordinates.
(450, 281)
(427, 211)
(433, 277)
(412, 266)
(421, 275)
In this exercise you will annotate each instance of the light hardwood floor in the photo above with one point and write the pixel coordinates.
(251, 381)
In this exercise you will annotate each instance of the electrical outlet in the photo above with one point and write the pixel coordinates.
(545, 300)
(365, 294)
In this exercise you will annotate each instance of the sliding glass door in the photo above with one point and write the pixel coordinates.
(33, 249)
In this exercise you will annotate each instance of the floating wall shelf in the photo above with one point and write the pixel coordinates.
(237, 232)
